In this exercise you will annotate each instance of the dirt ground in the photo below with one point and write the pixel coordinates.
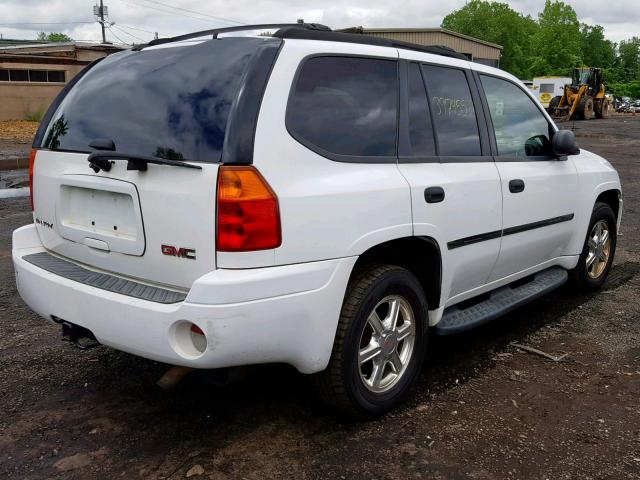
(482, 409)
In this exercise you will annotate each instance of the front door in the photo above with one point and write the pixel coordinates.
(540, 191)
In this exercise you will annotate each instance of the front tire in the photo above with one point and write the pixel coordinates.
(598, 251)
(379, 344)
(585, 108)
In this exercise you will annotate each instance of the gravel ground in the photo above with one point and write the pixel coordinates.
(482, 409)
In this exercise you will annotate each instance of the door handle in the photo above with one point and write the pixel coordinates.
(516, 186)
(434, 194)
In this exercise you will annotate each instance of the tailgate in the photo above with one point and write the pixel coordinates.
(156, 225)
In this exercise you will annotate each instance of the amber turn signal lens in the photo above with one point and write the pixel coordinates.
(248, 212)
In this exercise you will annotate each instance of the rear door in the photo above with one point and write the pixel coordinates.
(455, 186)
(149, 221)
(540, 191)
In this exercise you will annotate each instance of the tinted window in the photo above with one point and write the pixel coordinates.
(55, 75)
(346, 106)
(546, 88)
(19, 75)
(452, 109)
(520, 128)
(420, 131)
(4, 75)
(37, 75)
(168, 102)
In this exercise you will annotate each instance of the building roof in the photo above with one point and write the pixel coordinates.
(53, 48)
(424, 30)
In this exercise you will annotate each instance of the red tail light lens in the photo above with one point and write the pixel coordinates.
(32, 162)
(248, 214)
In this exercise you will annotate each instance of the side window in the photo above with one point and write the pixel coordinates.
(454, 116)
(521, 130)
(346, 105)
(420, 130)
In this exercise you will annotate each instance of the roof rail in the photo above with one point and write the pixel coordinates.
(313, 31)
(240, 28)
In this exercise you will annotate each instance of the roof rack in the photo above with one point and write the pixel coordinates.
(240, 28)
(313, 31)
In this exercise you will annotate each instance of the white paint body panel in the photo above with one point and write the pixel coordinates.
(283, 305)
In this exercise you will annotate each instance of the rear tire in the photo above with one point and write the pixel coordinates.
(597, 254)
(603, 109)
(367, 388)
(585, 108)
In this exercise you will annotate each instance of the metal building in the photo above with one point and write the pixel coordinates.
(31, 75)
(473, 48)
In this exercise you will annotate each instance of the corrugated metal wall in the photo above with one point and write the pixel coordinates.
(461, 45)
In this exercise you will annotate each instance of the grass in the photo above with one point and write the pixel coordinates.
(34, 116)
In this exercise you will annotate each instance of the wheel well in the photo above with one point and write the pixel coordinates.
(420, 255)
(611, 198)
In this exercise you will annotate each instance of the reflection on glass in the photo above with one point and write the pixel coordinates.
(346, 106)
(58, 129)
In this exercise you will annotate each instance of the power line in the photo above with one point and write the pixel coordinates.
(208, 22)
(117, 37)
(127, 33)
(41, 23)
(228, 20)
(173, 12)
(139, 29)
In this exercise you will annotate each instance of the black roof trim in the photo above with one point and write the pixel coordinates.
(294, 32)
(313, 31)
(240, 28)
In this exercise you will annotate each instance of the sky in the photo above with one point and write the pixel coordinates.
(137, 20)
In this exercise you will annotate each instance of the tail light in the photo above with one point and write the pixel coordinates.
(248, 214)
(32, 162)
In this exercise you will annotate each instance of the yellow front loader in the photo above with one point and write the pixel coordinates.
(583, 98)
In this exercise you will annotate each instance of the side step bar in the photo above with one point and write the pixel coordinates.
(500, 301)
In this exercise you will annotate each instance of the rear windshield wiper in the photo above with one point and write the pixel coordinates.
(101, 160)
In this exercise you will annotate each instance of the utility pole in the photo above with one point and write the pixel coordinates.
(100, 11)
(104, 38)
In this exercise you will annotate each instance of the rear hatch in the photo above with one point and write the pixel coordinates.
(136, 215)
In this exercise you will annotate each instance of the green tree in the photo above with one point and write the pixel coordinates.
(497, 23)
(53, 37)
(597, 51)
(557, 42)
(629, 59)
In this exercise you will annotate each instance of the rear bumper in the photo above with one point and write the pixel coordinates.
(282, 314)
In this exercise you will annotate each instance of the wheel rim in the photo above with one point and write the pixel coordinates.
(386, 344)
(599, 245)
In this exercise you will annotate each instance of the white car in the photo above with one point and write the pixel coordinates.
(321, 199)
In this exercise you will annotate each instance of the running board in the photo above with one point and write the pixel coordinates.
(501, 301)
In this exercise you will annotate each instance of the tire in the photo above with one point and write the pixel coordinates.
(602, 108)
(591, 278)
(348, 385)
(553, 104)
(585, 108)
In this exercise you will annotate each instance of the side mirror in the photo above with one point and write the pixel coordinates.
(564, 143)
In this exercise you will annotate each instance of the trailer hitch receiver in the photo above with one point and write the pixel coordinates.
(78, 336)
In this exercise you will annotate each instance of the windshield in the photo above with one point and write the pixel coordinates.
(166, 102)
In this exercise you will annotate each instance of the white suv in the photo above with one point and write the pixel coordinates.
(316, 198)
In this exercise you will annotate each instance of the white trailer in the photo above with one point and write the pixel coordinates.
(545, 88)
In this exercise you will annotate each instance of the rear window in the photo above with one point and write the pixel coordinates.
(168, 102)
(547, 88)
(346, 106)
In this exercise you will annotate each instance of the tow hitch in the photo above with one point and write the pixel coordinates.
(78, 336)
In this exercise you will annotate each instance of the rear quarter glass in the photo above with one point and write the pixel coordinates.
(167, 102)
